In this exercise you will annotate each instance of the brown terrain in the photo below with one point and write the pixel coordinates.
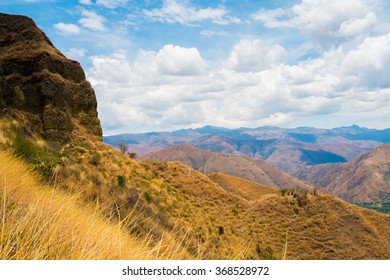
(236, 165)
(242, 187)
(365, 179)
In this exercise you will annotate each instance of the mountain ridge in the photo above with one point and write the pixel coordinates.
(287, 149)
(209, 162)
(362, 180)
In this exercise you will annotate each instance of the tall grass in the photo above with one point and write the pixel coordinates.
(39, 222)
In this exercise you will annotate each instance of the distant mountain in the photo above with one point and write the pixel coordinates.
(287, 149)
(365, 179)
(241, 166)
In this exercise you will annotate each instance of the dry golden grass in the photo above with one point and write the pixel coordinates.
(241, 187)
(39, 222)
(309, 226)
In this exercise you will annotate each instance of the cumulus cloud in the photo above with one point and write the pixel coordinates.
(354, 27)
(175, 60)
(369, 64)
(67, 28)
(329, 23)
(92, 20)
(255, 55)
(172, 87)
(174, 11)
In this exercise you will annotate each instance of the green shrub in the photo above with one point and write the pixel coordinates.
(23, 148)
(41, 160)
(132, 155)
(121, 180)
(147, 196)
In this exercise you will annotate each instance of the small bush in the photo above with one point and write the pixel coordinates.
(302, 200)
(23, 147)
(221, 230)
(132, 155)
(95, 160)
(147, 196)
(41, 160)
(121, 180)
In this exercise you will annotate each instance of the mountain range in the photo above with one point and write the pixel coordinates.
(287, 149)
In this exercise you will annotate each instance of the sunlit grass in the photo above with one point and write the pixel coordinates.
(39, 222)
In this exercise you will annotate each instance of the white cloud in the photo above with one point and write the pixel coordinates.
(255, 55)
(174, 11)
(211, 33)
(354, 27)
(75, 53)
(175, 60)
(92, 20)
(172, 88)
(112, 3)
(329, 23)
(369, 64)
(273, 18)
(67, 28)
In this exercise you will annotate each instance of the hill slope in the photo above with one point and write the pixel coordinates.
(241, 187)
(236, 165)
(365, 179)
(39, 222)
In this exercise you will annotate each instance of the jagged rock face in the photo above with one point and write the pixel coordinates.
(38, 79)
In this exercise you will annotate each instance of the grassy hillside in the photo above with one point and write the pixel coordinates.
(241, 187)
(41, 222)
(173, 211)
(311, 226)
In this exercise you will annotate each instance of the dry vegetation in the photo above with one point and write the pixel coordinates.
(41, 222)
(242, 187)
(100, 203)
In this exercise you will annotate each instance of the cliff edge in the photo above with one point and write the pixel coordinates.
(38, 80)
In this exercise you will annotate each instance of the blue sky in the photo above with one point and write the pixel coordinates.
(171, 64)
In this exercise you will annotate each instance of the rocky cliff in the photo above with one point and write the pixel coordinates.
(38, 80)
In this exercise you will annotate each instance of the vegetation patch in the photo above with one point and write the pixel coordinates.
(382, 207)
(42, 160)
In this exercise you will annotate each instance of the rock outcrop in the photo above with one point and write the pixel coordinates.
(39, 80)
